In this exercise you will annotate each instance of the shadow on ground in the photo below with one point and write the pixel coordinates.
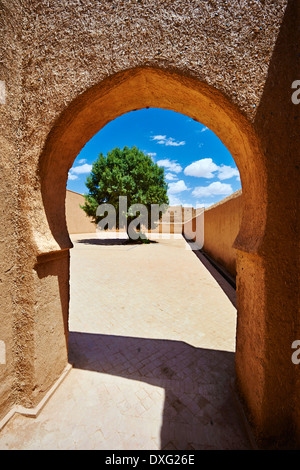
(199, 408)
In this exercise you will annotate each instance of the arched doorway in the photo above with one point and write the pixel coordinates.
(121, 93)
(142, 317)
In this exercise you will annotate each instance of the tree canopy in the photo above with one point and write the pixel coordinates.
(124, 172)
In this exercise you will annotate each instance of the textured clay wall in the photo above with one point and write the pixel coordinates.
(10, 249)
(73, 66)
(77, 221)
(272, 332)
(222, 223)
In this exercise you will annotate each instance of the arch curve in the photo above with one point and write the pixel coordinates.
(132, 90)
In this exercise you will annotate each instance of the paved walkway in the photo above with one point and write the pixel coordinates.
(152, 340)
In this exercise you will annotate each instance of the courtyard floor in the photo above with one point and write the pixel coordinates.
(152, 341)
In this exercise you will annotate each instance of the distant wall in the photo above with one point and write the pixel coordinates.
(221, 226)
(77, 221)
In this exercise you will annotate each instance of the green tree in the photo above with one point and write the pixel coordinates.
(125, 172)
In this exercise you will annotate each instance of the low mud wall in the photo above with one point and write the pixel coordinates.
(221, 225)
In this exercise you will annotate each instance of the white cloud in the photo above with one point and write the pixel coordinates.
(81, 169)
(174, 200)
(213, 189)
(171, 165)
(226, 172)
(83, 160)
(72, 177)
(151, 154)
(173, 142)
(177, 187)
(202, 168)
(171, 177)
(206, 168)
(168, 141)
(204, 129)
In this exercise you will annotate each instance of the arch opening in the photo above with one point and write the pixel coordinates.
(133, 90)
(130, 329)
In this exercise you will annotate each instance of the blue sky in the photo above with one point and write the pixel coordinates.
(199, 169)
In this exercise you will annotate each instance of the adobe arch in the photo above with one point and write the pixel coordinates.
(136, 89)
(85, 116)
